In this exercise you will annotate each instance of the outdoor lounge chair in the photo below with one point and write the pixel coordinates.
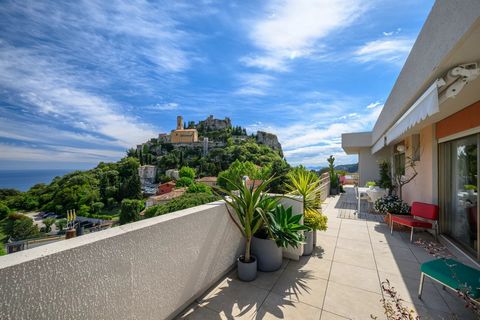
(454, 275)
(419, 210)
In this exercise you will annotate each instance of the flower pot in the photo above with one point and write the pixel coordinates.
(247, 271)
(308, 246)
(269, 255)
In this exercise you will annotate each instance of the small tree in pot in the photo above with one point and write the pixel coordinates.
(334, 181)
(385, 181)
(248, 203)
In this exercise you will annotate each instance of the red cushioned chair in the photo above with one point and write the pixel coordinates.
(419, 210)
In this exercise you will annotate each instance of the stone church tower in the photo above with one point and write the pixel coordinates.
(179, 123)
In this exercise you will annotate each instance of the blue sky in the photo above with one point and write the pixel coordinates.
(82, 81)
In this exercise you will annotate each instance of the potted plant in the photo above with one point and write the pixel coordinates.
(306, 184)
(314, 221)
(470, 188)
(334, 181)
(283, 229)
(385, 181)
(269, 255)
(248, 204)
(391, 204)
(370, 184)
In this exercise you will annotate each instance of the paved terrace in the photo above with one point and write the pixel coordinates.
(341, 280)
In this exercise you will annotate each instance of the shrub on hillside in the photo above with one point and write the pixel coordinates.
(184, 182)
(130, 210)
(4, 210)
(187, 172)
(199, 188)
(48, 222)
(24, 229)
(17, 216)
(61, 224)
(187, 200)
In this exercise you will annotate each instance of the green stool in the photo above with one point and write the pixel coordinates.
(453, 274)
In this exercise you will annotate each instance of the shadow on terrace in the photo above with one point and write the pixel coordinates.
(341, 280)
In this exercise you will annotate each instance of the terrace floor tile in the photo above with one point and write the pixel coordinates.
(340, 280)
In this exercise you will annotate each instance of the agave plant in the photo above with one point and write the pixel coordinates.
(285, 227)
(251, 206)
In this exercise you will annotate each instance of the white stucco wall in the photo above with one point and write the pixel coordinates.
(149, 269)
(368, 164)
(422, 187)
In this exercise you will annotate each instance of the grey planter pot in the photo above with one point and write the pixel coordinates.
(269, 256)
(314, 239)
(247, 271)
(308, 246)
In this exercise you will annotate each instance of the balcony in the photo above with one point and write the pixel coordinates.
(180, 265)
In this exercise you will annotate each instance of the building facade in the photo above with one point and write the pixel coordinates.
(431, 119)
(182, 135)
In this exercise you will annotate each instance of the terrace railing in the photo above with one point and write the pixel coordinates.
(324, 186)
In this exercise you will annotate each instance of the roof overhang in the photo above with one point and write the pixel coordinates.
(449, 37)
(353, 142)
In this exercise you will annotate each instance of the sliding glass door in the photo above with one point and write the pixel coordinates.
(458, 178)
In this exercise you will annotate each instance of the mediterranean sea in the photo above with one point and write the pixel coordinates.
(25, 179)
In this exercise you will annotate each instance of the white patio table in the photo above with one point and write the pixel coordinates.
(374, 194)
(361, 191)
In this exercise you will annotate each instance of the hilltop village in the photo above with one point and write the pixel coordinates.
(201, 146)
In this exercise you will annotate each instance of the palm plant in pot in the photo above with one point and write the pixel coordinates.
(307, 184)
(249, 205)
(282, 229)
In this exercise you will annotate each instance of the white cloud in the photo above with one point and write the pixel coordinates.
(390, 50)
(374, 105)
(292, 29)
(310, 142)
(59, 154)
(163, 106)
(387, 34)
(254, 84)
(53, 90)
(25, 131)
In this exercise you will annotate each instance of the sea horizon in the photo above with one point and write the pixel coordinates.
(24, 179)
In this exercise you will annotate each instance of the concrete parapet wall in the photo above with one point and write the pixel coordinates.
(149, 269)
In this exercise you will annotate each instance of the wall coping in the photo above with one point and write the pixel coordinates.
(64, 245)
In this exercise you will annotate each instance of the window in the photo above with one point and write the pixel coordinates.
(399, 163)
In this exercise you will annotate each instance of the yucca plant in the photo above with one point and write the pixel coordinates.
(251, 206)
(306, 184)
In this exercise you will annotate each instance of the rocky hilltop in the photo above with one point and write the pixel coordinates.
(269, 139)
